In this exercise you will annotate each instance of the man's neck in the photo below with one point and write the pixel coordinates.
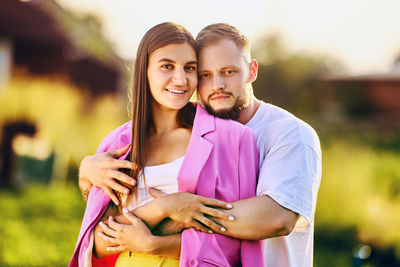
(247, 113)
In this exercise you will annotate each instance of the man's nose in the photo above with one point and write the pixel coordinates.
(218, 83)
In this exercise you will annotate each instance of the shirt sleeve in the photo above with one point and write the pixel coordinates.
(290, 174)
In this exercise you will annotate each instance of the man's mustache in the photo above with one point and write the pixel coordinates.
(219, 93)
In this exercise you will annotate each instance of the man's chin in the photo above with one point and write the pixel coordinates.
(227, 113)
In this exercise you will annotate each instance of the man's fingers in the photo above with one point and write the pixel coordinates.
(123, 178)
(119, 152)
(156, 193)
(117, 186)
(217, 213)
(215, 203)
(125, 164)
(112, 196)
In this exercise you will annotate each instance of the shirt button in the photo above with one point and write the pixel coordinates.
(193, 262)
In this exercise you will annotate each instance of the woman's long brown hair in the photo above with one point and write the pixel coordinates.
(142, 121)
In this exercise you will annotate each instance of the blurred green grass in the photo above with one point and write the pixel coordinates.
(40, 225)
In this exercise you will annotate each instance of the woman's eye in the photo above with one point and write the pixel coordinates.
(167, 67)
(191, 68)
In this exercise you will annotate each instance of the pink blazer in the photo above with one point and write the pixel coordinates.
(221, 162)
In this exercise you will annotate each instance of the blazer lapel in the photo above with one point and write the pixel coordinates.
(198, 151)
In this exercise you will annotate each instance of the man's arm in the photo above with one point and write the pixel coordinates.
(259, 218)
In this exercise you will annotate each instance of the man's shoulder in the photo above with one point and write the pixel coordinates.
(278, 124)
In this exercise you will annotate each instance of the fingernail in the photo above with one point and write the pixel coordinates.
(108, 249)
(125, 210)
(223, 229)
(231, 218)
(133, 182)
(99, 234)
(210, 232)
(101, 224)
(229, 206)
(126, 191)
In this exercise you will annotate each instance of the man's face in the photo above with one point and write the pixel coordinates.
(224, 79)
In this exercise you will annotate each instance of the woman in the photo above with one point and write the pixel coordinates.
(191, 150)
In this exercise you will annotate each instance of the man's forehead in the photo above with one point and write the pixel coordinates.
(222, 53)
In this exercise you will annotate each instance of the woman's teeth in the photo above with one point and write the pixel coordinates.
(175, 91)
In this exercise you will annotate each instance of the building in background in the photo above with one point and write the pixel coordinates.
(43, 39)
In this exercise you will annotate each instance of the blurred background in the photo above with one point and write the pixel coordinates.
(64, 72)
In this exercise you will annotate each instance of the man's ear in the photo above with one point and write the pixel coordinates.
(253, 67)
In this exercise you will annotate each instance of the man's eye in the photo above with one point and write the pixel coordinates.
(227, 72)
(204, 75)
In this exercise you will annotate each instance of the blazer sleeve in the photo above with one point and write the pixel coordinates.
(98, 200)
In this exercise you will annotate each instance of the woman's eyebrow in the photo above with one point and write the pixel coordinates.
(166, 60)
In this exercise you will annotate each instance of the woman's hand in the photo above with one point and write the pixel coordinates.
(102, 170)
(130, 236)
(193, 210)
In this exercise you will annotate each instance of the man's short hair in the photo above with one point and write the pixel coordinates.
(214, 33)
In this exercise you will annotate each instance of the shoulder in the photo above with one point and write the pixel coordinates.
(280, 127)
(119, 137)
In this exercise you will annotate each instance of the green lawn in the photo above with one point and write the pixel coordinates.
(39, 226)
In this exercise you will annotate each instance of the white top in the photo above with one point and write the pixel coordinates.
(163, 177)
(290, 173)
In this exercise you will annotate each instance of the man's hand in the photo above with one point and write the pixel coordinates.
(102, 170)
(193, 210)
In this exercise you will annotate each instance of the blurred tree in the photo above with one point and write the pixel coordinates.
(290, 80)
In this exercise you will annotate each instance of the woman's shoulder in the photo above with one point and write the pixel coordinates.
(119, 137)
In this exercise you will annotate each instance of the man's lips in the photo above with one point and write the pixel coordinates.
(219, 96)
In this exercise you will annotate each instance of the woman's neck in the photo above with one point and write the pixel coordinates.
(164, 119)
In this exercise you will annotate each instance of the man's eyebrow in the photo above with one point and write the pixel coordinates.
(194, 62)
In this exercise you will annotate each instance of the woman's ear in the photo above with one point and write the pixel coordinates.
(253, 68)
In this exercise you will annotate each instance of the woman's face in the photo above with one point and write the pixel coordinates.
(172, 75)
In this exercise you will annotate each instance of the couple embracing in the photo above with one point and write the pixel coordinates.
(200, 184)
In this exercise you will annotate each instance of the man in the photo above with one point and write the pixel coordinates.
(282, 213)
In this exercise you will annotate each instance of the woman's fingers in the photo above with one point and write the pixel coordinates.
(116, 249)
(107, 229)
(217, 213)
(200, 227)
(209, 223)
(107, 238)
(215, 203)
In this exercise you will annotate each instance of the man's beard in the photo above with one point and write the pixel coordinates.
(232, 113)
